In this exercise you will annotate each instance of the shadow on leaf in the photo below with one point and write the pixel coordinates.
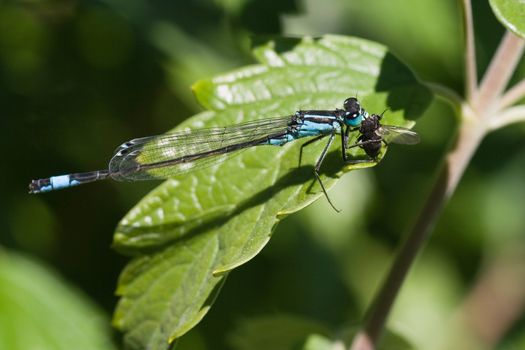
(138, 240)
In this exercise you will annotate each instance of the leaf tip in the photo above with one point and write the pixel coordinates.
(364, 165)
(117, 321)
(203, 91)
(222, 270)
(118, 238)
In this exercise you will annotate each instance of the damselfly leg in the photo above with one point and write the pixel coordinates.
(318, 167)
(309, 142)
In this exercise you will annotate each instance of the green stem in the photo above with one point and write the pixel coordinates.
(448, 95)
(471, 76)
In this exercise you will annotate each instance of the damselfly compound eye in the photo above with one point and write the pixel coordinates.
(352, 107)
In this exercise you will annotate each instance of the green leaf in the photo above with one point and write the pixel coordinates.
(284, 332)
(394, 341)
(38, 311)
(191, 230)
(318, 342)
(511, 13)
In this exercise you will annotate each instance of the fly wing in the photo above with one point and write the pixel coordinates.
(163, 156)
(397, 134)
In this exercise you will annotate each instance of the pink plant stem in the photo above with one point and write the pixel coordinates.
(499, 73)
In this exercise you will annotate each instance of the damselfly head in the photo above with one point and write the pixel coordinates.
(352, 106)
(353, 114)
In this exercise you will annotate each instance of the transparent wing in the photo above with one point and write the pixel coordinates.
(163, 156)
(397, 134)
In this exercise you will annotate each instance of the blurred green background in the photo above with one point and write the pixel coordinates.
(77, 78)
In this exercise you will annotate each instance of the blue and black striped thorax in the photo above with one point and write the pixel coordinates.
(308, 123)
(316, 122)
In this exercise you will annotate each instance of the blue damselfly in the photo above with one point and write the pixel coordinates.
(163, 156)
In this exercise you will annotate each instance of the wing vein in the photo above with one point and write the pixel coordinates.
(163, 156)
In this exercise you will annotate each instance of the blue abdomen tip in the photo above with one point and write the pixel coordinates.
(59, 182)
